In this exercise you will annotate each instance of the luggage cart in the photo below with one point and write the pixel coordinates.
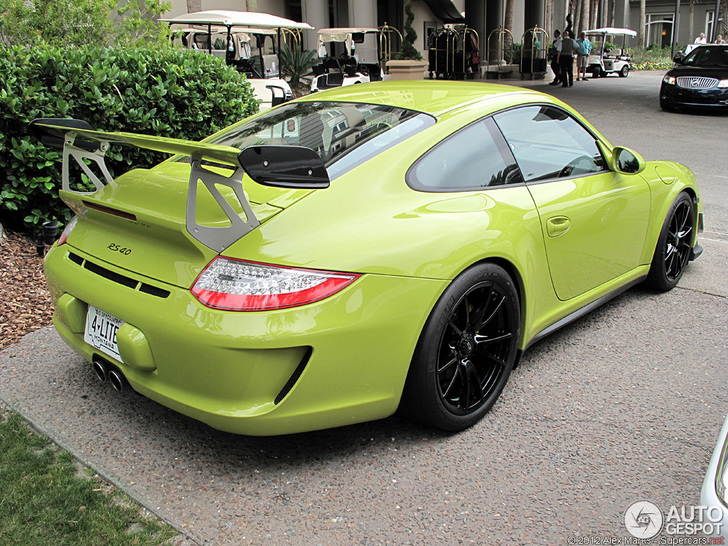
(499, 53)
(454, 53)
(533, 53)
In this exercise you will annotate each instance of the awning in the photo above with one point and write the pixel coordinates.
(445, 10)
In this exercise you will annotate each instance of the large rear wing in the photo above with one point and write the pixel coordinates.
(295, 167)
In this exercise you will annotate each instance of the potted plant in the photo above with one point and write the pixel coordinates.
(408, 65)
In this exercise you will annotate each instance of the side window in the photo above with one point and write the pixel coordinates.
(475, 157)
(549, 143)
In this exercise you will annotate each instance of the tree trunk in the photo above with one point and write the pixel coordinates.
(691, 22)
(194, 5)
(578, 10)
(510, 9)
(613, 13)
(643, 19)
(548, 24)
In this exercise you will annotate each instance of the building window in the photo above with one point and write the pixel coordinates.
(659, 29)
(709, 19)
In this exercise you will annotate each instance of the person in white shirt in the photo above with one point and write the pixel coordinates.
(553, 53)
(701, 39)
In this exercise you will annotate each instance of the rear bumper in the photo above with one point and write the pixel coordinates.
(339, 361)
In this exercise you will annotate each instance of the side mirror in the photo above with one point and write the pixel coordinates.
(627, 161)
(678, 59)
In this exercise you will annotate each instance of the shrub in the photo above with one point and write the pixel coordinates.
(296, 64)
(651, 58)
(408, 50)
(166, 92)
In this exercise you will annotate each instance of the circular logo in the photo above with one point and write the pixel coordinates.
(643, 519)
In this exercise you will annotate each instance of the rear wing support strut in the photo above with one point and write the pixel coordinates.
(293, 167)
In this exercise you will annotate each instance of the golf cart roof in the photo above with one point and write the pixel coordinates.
(229, 18)
(612, 31)
(347, 30)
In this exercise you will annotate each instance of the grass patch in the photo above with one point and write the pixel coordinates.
(44, 500)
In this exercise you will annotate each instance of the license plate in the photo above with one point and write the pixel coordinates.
(101, 328)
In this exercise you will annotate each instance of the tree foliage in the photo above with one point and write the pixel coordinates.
(83, 22)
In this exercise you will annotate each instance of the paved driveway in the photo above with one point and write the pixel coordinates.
(624, 405)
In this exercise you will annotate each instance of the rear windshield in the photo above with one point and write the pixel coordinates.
(343, 134)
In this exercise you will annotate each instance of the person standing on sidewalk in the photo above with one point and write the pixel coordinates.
(565, 58)
(553, 57)
(583, 49)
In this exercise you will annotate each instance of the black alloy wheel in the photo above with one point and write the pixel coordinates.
(674, 245)
(466, 351)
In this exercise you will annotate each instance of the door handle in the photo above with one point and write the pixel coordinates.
(557, 225)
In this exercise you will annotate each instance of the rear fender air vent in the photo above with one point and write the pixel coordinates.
(118, 278)
(294, 377)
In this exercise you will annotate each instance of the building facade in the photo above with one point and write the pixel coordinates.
(484, 16)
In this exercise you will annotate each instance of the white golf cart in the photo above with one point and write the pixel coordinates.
(250, 41)
(352, 55)
(609, 52)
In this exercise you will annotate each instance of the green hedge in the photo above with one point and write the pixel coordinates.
(165, 92)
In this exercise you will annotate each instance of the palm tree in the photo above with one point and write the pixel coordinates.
(510, 10)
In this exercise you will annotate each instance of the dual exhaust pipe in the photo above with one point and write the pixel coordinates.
(107, 372)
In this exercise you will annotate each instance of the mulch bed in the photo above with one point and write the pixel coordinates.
(25, 304)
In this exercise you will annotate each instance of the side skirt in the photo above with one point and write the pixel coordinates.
(568, 319)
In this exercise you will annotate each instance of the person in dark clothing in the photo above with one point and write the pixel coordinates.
(566, 60)
(553, 53)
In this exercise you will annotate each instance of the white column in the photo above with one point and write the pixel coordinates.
(362, 13)
(316, 14)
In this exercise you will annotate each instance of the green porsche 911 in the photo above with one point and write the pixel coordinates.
(355, 251)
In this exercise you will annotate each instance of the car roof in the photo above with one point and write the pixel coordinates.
(434, 97)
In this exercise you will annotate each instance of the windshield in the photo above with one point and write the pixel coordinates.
(708, 57)
(343, 134)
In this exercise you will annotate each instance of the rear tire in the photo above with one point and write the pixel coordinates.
(674, 245)
(466, 350)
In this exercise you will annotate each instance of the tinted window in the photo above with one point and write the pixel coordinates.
(549, 143)
(708, 57)
(475, 157)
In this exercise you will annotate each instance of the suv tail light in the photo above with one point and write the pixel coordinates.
(237, 285)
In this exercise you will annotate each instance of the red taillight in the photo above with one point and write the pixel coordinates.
(237, 285)
(67, 231)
